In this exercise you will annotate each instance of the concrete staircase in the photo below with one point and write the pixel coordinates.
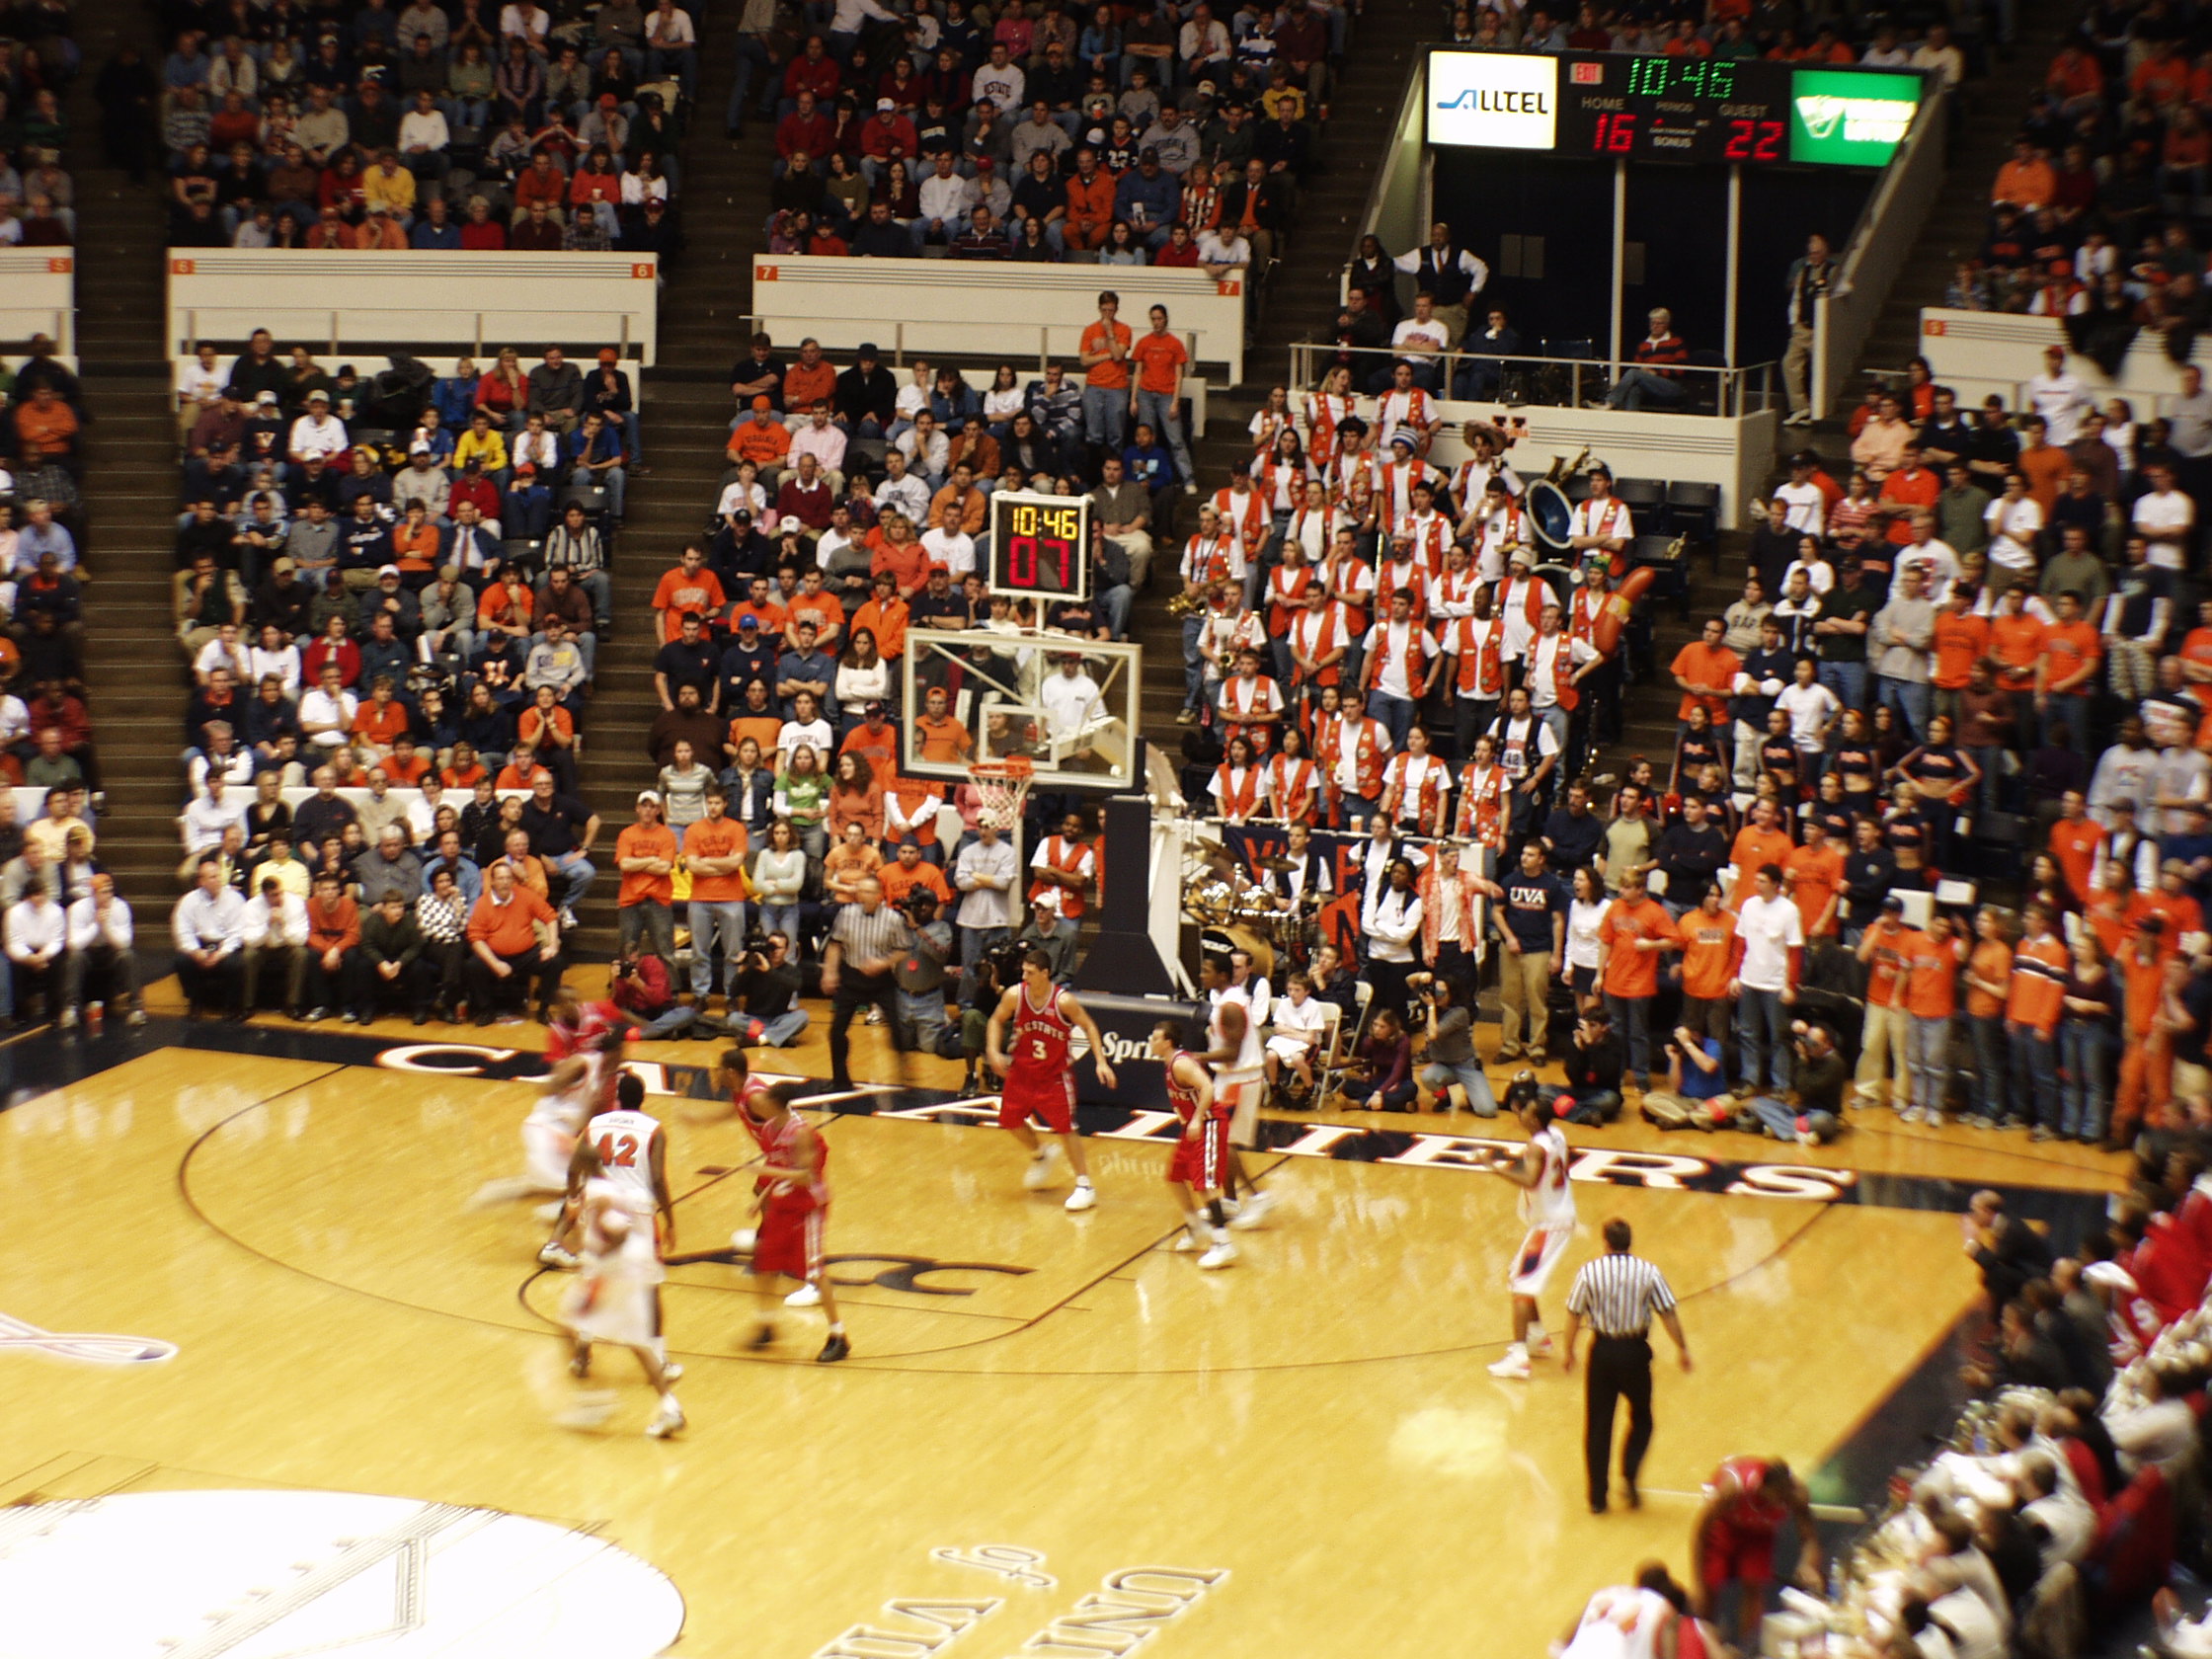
(133, 666)
(685, 416)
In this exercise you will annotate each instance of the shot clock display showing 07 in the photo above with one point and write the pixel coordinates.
(1039, 545)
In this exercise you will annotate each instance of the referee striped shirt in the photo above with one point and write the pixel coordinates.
(1618, 1294)
(871, 938)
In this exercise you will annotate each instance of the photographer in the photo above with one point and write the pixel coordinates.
(1594, 1063)
(1697, 1075)
(1821, 1077)
(1450, 1070)
(643, 988)
(766, 988)
(986, 982)
(920, 974)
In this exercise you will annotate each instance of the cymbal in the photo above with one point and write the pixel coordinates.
(1281, 866)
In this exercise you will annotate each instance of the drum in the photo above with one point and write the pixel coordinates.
(1210, 902)
(1551, 513)
(1219, 941)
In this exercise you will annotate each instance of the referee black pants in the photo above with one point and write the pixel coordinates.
(856, 992)
(1619, 1368)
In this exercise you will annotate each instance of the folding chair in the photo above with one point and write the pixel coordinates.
(1330, 1077)
(1646, 499)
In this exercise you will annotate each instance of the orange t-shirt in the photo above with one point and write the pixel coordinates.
(1159, 356)
(455, 777)
(405, 774)
(1816, 876)
(380, 723)
(804, 387)
(1707, 943)
(1992, 960)
(1703, 665)
(2071, 646)
(2039, 971)
(1631, 972)
(899, 881)
(715, 837)
(1931, 977)
(1753, 849)
(1903, 496)
(943, 738)
(1886, 964)
(2076, 848)
(645, 841)
(888, 623)
(679, 593)
(2045, 470)
(1106, 373)
(763, 446)
(508, 928)
(762, 729)
(1960, 642)
(2016, 642)
(825, 610)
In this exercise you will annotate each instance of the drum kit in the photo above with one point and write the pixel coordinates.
(1234, 914)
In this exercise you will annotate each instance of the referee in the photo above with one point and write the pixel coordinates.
(859, 965)
(1618, 1294)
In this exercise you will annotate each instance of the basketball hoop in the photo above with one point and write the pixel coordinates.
(1003, 786)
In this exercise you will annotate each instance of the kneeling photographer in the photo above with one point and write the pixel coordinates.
(764, 992)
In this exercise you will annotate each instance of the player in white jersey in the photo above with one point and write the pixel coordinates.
(616, 1298)
(618, 1186)
(632, 1154)
(1237, 1051)
(548, 1142)
(1547, 1214)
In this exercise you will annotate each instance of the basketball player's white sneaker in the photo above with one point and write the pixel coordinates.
(1514, 1365)
(670, 1371)
(1221, 1256)
(1540, 1348)
(806, 1296)
(1184, 1243)
(669, 1420)
(1254, 1211)
(554, 1256)
(1043, 1167)
(744, 1239)
(1085, 1196)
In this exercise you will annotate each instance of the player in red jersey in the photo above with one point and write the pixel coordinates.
(1201, 1163)
(1733, 1544)
(593, 1032)
(792, 1197)
(747, 1091)
(1040, 1077)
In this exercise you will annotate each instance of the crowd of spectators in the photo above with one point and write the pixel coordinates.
(1152, 135)
(37, 198)
(2097, 216)
(425, 125)
(391, 593)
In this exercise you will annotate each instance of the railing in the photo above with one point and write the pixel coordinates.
(937, 306)
(1883, 239)
(364, 303)
(1716, 392)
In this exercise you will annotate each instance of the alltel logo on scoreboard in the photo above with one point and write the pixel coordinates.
(1493, 100)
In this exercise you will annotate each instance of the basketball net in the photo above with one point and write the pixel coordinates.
(1003, 787)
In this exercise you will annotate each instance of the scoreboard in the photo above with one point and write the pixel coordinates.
(1701, 111)
(1039, 545)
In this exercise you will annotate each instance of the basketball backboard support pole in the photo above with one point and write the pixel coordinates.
(1125, 958)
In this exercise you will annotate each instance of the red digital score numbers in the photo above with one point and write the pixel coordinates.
(1042, 546)
(1748, 141)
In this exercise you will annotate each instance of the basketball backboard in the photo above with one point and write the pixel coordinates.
(1009, 693)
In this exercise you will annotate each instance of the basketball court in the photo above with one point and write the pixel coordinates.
(1055, 1435)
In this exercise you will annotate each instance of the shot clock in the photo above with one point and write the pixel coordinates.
(1039, 545)
(1702, 110)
